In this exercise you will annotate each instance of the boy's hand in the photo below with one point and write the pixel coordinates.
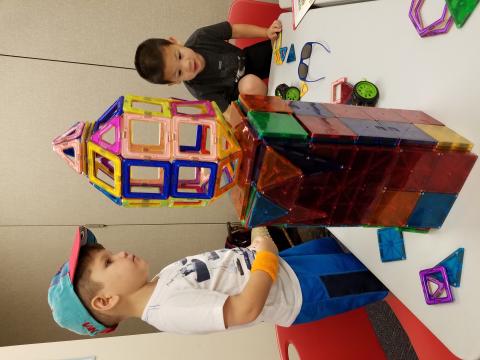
(262, 241)
(274, 29)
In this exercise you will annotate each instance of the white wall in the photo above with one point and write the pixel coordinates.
(42, 199)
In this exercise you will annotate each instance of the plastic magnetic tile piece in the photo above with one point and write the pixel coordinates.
(143, 203)
(461, 10)
(202, 187)
(239, 196)
(97, 160)
(371, 132)
(71, 152)
(227, 144)
(412, 170)
(131, 148)
(298, 215)
(115, 109)
(283, 53)
(162, 106)
(391, 245)
(453, 264)
(114, 124)
(183, 203)
(342, 155)
(393, 208)
(248, 142)
(227, 173)
(409, 134)
(310, 108)
(447, 138)
(264, 211)
(161, 183)
(291, 54)
(348, 111)
(283, 193)
(208, 151)
(263, 103)
(276, 125)
(416, 117)
(237, 118)
(71, 134)
(381, 114)
(116, 200)
(450, 171)
(431, 210)
(198, 109)
(275, 169)
(435, 291)
(327, 130)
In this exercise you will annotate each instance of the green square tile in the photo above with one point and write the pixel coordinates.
(276, 125)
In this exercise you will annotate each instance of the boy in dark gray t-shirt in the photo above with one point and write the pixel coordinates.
(210, 67)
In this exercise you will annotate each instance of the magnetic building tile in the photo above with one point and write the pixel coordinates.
(409, 134)
(330, 130)
(447, 138)
(393, 208)
(309, 108)
(371, 132)
(275, 169)
(347, 111)
(431, 210)
(264, 103)
(276, 125)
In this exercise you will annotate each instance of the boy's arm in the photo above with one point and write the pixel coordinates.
(246, 306)
(245, 31)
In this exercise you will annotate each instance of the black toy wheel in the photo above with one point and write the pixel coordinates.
(365, 93)
(281, 90)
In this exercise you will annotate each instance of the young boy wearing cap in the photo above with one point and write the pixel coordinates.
(95, 290)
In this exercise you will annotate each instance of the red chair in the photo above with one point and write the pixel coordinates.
(426, 345)
(341, 337)
(252, 12)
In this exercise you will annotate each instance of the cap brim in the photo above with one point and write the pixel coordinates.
(82, 237)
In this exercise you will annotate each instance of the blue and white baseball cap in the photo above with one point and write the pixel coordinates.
(67, 309)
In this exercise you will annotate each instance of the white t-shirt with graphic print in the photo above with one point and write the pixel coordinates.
(190, 293)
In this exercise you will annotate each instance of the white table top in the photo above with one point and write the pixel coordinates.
(439, 75)
(287, 4)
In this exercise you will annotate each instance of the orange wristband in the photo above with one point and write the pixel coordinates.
(267, 262)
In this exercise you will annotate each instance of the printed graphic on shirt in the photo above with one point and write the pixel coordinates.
(202, 266)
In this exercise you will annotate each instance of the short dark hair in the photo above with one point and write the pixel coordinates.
(150, 62)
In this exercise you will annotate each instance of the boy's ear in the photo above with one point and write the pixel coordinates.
(105, 302)
(174, 40)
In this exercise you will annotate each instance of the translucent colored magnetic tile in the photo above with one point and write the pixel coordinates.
(227, 173)
(309, 108)
(275, 169)
(298, 215)
(248, 142)
(342, 155)
(431, 210)
(348, 111)
(305, 161)
(461, 10)
(276, 125)
(237, 117)
(239, 195)
(284, 193)
(193, 109)
(409, 134)
(370, 132)
(162, 105)
(447, 138)
(450, 171)
(393, 208)
(412, 170)
(391, 245)
(264, 103)
(453, 264)
(264, 211)
(384, 114)
(328, 130)
(416, 117)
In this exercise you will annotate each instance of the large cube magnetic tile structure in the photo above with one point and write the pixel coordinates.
(340, 165)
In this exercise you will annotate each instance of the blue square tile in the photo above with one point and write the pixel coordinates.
(431, 210)
(391, 245)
